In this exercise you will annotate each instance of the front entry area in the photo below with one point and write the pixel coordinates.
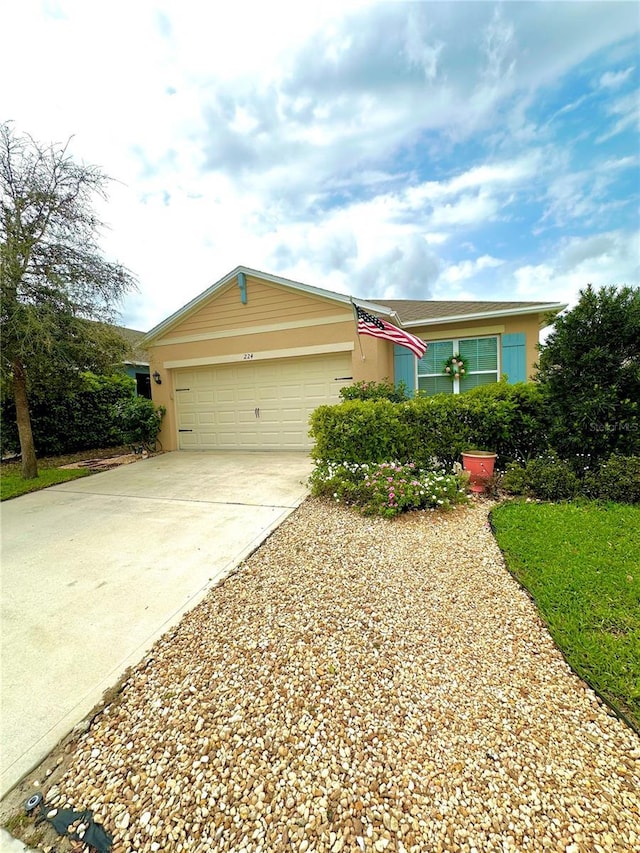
(256, 405)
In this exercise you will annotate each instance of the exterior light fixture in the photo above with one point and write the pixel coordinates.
(156, 378)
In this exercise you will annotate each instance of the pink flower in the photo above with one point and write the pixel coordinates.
(447, 369)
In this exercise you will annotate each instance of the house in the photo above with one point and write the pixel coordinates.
(244, 364)
(136, 362)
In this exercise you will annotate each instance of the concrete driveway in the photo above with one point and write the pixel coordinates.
(95, 570)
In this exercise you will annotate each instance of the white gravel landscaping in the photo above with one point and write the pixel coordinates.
(361, 685)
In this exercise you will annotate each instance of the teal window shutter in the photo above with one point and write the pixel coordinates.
(514, 362)
(404, 368)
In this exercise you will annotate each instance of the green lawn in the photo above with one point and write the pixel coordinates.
(12, 485)
(49, 473)
(581, 564)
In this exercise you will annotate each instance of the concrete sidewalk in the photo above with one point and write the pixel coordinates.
(95, 570)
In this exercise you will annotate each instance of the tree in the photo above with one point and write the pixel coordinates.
(589, 369)
(53, 276)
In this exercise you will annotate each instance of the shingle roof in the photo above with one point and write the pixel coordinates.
(415, 310)
(409, 311)
(133, 337)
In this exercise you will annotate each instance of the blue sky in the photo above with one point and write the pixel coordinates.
(449, 150)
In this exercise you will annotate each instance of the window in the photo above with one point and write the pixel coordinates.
(143, 385)
(481, 355)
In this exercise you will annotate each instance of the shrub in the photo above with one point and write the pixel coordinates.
(617, 479)
(514, 480)
(342, 482)
(81, 418)
(387, 488)
(545, 477)
(140, 421)
(384, 390)
(590, 374)
(433, 431)
(359, 431)
(525, 422)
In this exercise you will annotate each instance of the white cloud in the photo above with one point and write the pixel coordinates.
(345, 143)
(407, 271)
(603, 260)
(614, 79)
(626, 112)
(456, 273)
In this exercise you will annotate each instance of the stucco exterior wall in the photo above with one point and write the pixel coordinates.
(284, 322)
(274, 323)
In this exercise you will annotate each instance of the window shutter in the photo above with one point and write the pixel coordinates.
(514, 362)
(404, 368)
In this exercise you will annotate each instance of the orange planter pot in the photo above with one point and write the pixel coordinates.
(479, 464)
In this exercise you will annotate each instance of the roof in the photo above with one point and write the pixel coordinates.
(137, 354)
(408, 312)
(419, 312)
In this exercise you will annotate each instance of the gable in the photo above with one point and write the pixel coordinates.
(269, 306)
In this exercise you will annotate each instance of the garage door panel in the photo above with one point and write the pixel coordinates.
(205, 397)
(246, 417)
(245, 395)
(188, 441)
(293, 416)
(220, 403)
(271, 391)
(226, 418)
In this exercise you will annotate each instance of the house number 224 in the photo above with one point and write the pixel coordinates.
(247, 356)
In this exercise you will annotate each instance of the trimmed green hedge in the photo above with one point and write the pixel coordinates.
(85, 417)
(433, 431)
(550, 478)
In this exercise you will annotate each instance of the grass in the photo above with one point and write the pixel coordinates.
(12, 485)
(581, 564)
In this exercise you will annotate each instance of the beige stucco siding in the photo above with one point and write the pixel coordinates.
(275, 323)
(283, 322)
(267, 304)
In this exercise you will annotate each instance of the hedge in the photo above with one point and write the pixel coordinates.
(84, 418)
(433, 431)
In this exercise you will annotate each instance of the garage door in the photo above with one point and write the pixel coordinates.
(261, 405)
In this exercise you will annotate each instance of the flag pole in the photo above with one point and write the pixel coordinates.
(355, 319)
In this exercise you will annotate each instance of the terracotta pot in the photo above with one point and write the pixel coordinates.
(479, 464)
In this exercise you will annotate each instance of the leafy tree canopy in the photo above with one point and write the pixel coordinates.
(589, 368)
(53, 276)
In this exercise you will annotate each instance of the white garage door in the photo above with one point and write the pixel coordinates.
(260, 405)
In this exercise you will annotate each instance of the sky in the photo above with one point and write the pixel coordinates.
(424, 150)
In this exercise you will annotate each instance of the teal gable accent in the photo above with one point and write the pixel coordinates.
(404, 368)
(514, 361)
(242, 284)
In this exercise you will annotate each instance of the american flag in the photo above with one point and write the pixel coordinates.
(377, 328)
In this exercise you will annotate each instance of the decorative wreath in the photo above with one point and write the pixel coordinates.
(455, 366)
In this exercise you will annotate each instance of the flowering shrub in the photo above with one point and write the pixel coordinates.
(375, 391)
(387, 488)
(545, 477)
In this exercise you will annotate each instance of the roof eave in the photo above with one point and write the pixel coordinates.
(554, 307)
